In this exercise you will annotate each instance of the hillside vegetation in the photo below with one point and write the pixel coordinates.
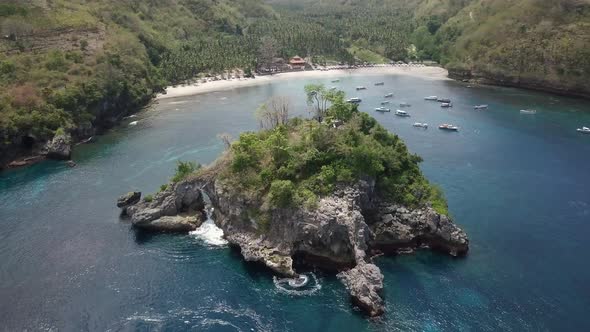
(80, 65)
(296, 161)
(541, 44)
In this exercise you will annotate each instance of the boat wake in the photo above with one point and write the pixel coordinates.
(303, 285)
(209, 233)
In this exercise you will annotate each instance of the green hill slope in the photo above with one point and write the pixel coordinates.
(80, 65)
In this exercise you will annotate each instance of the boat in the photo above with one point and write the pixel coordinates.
(404, 104)
(335, 81)
(443, 100)
(354, 100)
(389, 95)
(333, 88)
(402, 113)
(528, 111)
(420, 125)
(360, 88)
(584, 130)
(299, 281)
(134, 123)
(382, 109)
(379, 83)
(448, 127)
(385, 102)
(446, 105)
(434, 98)
(480, 107)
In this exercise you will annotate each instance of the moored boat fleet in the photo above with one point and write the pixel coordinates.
(444, 103)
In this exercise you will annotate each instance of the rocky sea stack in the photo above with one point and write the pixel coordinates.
(310, 194)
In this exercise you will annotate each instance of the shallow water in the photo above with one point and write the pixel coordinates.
(518, 184)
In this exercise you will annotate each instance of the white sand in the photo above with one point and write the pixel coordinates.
(431, 73)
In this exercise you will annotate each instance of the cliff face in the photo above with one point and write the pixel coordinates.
(341, 235)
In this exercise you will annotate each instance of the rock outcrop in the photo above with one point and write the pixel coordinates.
(335, 235)
(365, 282)
(60, 147)
(179, 208)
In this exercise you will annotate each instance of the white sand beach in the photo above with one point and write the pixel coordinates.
(431, 73)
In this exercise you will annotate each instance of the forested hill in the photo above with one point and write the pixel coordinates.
(540, 44)
(76, 65)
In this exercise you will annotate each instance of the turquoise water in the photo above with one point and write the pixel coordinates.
(518, 184)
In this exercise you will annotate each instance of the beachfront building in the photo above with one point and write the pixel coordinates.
(297, 62)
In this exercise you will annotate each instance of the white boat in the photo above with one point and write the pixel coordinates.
(446, 105)
(389, 95)
(354, 100)
(528, 111)
(299, 281)
(404, 104)
(333, 88)
(480, 107)
(448, 127)
(443, 100)
(421, 125)
(134, 123)
(385, 102)
(379, 83)
(402, 113)
(431, 98)
(361, 88)
(382, 109)
(584, 130)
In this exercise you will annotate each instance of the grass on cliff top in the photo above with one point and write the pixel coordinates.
(302, 160)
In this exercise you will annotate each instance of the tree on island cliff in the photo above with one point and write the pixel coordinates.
(274, 112)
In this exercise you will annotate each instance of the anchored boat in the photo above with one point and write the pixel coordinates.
(361, 88)
(382, 109)
(433, 98)
(528, 112)
(446, 105)
(448, 127)
(389, 95)
(420, 125)
(443, 100)
(354, 100)
(404, 104)
(385, 102)
(480, 107)
(379, 83)
(584, 130)
(402, 113)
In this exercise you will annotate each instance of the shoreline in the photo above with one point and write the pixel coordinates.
(425, 72)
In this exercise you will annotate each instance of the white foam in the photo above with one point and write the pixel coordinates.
(210, 234)
(286, 285)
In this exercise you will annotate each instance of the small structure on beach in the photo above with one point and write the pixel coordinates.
(297, 62)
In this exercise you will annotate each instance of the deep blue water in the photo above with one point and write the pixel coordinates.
(518, 184)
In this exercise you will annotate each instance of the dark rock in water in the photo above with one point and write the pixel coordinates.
(71, 163)
(60, 147)
(174, 224)
(364, 283)
(129, 198)
(179, 208)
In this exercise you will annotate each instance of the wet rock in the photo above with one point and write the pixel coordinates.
(179, 208)
(364, 283)
(174, 224)
(128, 199)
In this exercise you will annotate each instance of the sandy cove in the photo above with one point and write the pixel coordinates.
(431, 73)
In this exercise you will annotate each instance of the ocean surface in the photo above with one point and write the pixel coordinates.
(518, 184)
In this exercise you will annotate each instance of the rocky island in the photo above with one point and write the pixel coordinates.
(328, 194)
